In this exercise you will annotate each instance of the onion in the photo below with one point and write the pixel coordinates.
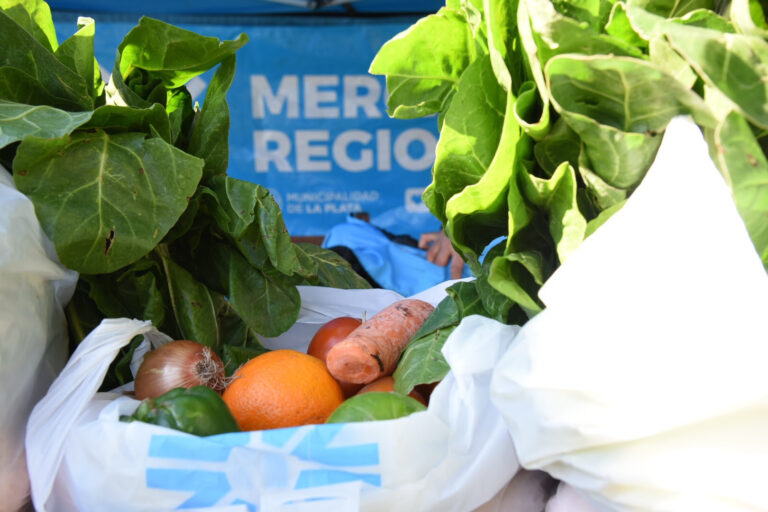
(178, 364)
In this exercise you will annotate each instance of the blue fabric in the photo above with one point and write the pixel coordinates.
(394, 266)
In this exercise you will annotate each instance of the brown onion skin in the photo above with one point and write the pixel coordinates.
(178, 364)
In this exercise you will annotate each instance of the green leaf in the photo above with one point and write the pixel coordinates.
(171, 54)
(210, 137)
(560, 145)
(421, 67)
(239, 342)
(705, 18)
(619, 106)
(519, 276)
(105, 200)
(35, 17)
(267, 304)
(119, 93)
(479, 213)
(665, 58)
(749, 17)
(619, 27)
(181, 114)
(499, 18)
(77, 54)
(446, 314)
(116, 119)
(532, 115)
(234, 357)
(495, 304)
(24, 56)
(673, 8)
(556, 33)
(192, 304)
(331, 269)
(18, 121)
(422, 361)
(742, 162)
(467, 298)
(131, 293)
(375, 406)
(251, 216)
(734, 63)
(557, 197)
(470, 133)
(602, 193)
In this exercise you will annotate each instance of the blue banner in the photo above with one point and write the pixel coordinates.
(310, 123)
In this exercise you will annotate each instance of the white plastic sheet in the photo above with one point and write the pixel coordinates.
(643, 382)
(33, 339)
(452, 457)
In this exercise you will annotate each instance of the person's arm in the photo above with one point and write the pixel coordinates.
(440, 251)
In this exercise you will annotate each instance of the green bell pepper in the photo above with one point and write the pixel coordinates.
(198, 410)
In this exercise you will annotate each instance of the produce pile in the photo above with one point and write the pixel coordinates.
(129, 182)
(550, 114)
(345, 376)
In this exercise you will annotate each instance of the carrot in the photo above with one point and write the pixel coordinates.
(373, 349)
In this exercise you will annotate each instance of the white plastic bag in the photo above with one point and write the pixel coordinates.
(33, 334)
(452, 457)
(643, 383)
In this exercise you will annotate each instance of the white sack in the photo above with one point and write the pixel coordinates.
(452, 457)
(643, 383)
(33, 334)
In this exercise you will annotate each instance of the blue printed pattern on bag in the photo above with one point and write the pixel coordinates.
(209, 486)
(309, 444)
(314, 447)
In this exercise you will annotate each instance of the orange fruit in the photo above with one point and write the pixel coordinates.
(282, 388)
(387, 385)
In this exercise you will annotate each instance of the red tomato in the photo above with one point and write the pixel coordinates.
(329, 335)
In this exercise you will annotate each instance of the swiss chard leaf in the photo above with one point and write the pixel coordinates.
(105, 200)
(479, 213)
(116, 119)
(470, 134)
(18, 121)
(321, 267)
(557, 197)
(618, 106)
(23, 55)
(736, 64)
(171, 54)
(555, 32)
(35, 17)
(192, 303)
(745, 167)
(422, 69)
(267, 304)
(77, 54)
(249, 214)
(209, 137)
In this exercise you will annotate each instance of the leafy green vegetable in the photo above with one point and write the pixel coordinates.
(552, 118)
(375, 406)
(129, 182)
(197, 410)
(105, 200)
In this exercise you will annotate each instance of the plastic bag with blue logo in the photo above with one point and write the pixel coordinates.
(454, 456)
(33, 335)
